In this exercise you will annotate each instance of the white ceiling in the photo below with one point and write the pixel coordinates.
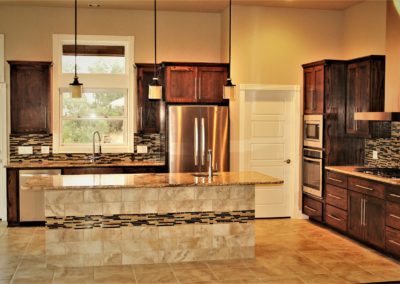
(188, 5)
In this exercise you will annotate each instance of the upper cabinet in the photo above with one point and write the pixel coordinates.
(365, 93)
(195, 84)
(150, 113)
(314, 89)
(30, 97)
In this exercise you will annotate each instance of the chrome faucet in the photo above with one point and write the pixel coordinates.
(209, 158)
(94, 158)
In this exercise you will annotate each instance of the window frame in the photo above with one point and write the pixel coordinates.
(93, 81)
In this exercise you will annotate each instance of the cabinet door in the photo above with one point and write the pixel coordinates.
(30, 97)
(150, 113)
(363, 96)
(355, 225)
(375, 221)
(314, 90)
(210, 83)
(181, 84)
(309, 84)
(352, 93)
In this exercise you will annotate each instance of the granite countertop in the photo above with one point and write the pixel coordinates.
(120, 181)
(80, 164)
(352, 170)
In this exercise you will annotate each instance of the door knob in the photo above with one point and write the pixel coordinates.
(288, 161)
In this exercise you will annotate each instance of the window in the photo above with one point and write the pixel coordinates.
(106, 105)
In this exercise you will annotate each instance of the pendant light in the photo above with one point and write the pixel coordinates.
(155, 89)
(229, 88)
(76, 86)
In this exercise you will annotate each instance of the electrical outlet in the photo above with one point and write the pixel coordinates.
(45, 149)
(141, 149)
(25, 150)
(375, 155)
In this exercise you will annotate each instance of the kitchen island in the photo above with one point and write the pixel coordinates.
(94, 220)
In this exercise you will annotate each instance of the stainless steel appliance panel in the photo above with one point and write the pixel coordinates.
(192, 131)
(313, 131)
(312, 172)
(31, 202)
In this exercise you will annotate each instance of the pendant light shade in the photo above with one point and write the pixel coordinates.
(76, 86)
(155, 89)
(229, 87)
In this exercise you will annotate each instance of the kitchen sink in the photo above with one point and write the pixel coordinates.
(203, 174)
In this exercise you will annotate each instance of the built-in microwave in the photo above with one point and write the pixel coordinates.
(313, 131)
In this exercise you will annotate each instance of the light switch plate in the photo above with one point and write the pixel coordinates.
(45, 149)
(375, 155)
(25, 150)
(141, 149)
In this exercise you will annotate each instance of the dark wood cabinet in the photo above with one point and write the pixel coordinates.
(195, 83)
(356, 215)
(365, 93)
(150, 113)
(30, 97)
(312, 208)
(314, 89)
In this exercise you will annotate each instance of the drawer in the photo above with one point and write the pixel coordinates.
(393, 241)
(312, 208)
(336, 196)
(393, 194)
(367, 187)
(92, 171)
(336, 218)
(336, 179)
(393, 215)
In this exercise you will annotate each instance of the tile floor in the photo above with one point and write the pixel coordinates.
(287, 251)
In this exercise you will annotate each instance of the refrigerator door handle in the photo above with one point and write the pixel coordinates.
(196, 141)
(203, 142)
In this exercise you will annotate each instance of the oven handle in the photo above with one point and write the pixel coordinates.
(312, 159)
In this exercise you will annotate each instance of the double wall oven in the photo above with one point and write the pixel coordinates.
(313, 152)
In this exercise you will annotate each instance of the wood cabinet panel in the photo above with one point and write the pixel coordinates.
(312, 208)
(336, 179)
(336, 196)
(367, 187)
(94, 170)
(393, 194)
(12, 197)
(210, 83)
(181, 84)
(393, 241)
(314, 90)
(375, 221)
(355, 223)
(393, 215)
(30, 96)
(335, 217)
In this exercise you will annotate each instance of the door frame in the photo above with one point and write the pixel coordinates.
(295, 145)
(3, 133)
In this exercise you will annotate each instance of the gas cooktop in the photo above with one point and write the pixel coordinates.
(382, 172)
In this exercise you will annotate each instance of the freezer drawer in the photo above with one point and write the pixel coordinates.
(31, 202)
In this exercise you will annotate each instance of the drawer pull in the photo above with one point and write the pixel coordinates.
(335, 179)
(394, 242)
(394, 216)
(309, 208)
(364, 187)
(394, 195)
(336, 218)
(334, 196)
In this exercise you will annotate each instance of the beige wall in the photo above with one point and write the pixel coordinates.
(392, 86)
(269, 45)
(364, 30)
(181, 36)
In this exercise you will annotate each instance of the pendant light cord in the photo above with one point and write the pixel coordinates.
(76, 34)
(230, 38)
(155, 38)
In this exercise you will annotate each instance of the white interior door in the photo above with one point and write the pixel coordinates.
(267, 145)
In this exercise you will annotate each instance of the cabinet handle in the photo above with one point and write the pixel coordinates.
(394, 242)
(336, 218)
(365, 212)
(395, 216)
(334, 196)
(334, 179)
(195, 88)
(394, 195)
(196, 141)
(45, 117)
(362, 212)
(309, 208)
(364, 187)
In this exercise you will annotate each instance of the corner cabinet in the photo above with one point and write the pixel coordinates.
(195, 83)
(365, 93)
(30, 97)
(150, 113)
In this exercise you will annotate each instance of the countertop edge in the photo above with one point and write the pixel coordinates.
(83, 165)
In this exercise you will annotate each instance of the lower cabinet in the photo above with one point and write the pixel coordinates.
(312, 208)
(367, 218)
(393, 241)
(336, 217)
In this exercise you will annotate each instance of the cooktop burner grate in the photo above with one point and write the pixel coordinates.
(383, 172)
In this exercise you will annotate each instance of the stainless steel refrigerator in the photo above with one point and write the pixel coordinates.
(192, 131)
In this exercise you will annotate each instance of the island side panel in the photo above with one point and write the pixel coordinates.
(88, 227)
